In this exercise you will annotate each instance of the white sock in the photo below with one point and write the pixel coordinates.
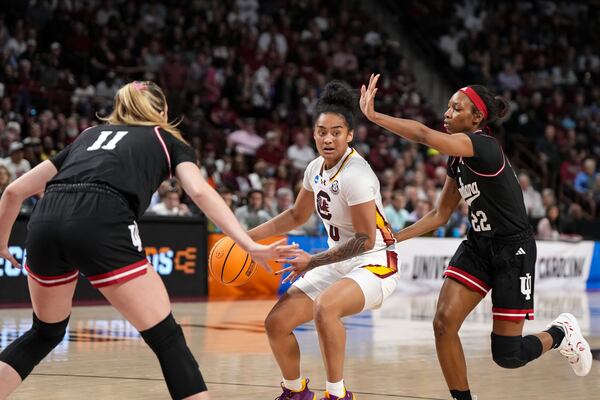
(337, 388)
(294, 384)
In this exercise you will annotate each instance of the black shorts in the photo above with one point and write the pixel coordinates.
(506, 267)
(85, 228)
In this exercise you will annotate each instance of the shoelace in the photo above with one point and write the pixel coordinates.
(286, 395)
(570, 354)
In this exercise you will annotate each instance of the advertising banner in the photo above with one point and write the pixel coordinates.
(560, 265)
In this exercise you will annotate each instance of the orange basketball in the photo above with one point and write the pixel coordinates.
(229, 263)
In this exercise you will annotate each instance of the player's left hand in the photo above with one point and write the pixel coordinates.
(298, 259)
(367, 97)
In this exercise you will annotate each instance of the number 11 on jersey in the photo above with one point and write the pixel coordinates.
(111, 145)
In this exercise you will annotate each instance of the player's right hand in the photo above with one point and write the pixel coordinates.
(367, 97)
(4, 253)
(261, 254)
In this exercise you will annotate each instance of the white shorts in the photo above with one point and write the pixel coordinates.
(376, 274)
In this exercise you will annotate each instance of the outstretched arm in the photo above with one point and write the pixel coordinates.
(27, 185)
(438, 216)
(457, 144)
(217, 210)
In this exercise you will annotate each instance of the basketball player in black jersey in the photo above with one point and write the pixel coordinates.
(499, 253)
(95, 191)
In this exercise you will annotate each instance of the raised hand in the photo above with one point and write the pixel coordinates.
(367, 97)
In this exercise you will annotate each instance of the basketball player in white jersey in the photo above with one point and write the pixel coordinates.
(341, 281)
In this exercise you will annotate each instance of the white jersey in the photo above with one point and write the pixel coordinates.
(350, 182)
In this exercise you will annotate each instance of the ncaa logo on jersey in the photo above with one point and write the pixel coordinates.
(335, 187)
(316, 179)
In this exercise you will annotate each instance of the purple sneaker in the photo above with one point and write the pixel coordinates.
(348, 396)
(303, 394)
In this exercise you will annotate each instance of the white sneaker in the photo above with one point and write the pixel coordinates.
(574, 346)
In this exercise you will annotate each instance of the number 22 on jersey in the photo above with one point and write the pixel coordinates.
(479, 221)
(103, 137)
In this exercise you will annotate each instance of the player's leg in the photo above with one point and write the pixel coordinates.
(293, 309)
(366, 286)
(513, 303)
(511, 350)
(345, 297)
(51, 311)
(455, 303)
(144, 302)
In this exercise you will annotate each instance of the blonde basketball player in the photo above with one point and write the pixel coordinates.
(341, 281)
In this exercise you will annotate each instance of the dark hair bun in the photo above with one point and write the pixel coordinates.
(339, 93)
(338, 97)
(502, 106)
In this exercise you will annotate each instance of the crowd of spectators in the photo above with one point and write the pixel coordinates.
(244, 77)
(544, 56)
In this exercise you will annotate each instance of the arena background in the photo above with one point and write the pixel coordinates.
(243, 76)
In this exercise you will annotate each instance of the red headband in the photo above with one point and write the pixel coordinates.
(479, 104)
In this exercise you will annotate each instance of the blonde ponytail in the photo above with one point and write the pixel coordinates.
(141, 103)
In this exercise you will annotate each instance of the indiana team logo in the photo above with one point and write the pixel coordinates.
(526, 286)
(469, 192)
(335, 187)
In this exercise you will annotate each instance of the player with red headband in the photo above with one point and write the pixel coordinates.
(499, 253)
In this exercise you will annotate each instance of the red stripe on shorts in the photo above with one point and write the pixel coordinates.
(468, 280)
(119, 275)
(49, 281)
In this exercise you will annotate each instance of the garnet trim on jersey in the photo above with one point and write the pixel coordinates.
(468, 280)
(384, 228)
(48, 281)
(509, 314)
(119, 275)
(381, 271)
(340, 168)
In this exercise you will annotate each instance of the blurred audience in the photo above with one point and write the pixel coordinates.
(243, 78)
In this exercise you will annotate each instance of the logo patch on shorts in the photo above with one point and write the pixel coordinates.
(526, 286)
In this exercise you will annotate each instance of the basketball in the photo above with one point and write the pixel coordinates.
(229, 264)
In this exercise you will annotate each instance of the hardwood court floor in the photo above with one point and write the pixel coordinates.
(391, 354)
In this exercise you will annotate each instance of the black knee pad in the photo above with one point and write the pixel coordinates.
(178, 365)
(29, 349)
(515, 351)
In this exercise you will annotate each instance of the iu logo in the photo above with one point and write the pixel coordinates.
(526, 286)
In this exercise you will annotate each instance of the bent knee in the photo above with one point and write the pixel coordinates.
(277, 324)
(509, 361)
(323, 311)
(444, 324)
(515, 351)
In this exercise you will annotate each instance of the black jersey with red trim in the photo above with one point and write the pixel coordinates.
(489, 185)
(134, 160)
